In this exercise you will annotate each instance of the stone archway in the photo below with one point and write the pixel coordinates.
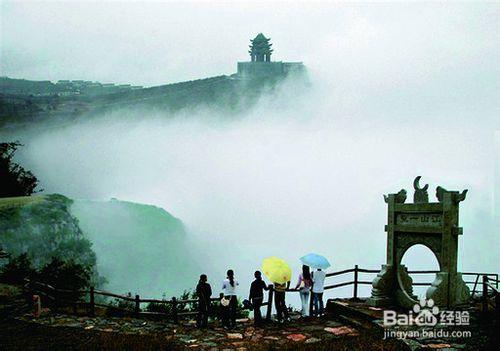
(434, 225)
(407, 293)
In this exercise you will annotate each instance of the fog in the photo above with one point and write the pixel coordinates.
(396, 91)
(283, 185)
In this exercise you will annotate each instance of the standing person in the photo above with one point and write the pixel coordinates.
(279, 301)
(204, 292)
(318, 278)
(257, 296)
(304, 285)
(229, 289)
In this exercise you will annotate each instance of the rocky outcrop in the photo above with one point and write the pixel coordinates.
(136, 247)
(43, 227)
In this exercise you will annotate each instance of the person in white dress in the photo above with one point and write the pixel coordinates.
(229, 288)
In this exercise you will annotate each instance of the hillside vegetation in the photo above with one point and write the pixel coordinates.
(43, 228)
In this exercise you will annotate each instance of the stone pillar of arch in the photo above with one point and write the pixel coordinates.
(432, 224)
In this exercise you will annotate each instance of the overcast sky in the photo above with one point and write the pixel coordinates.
(151, 43)
(397, 90)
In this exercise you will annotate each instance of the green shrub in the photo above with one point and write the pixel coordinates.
(123, 304)
(17, 269)
(58, 274)
(65, 275)
(157, 307)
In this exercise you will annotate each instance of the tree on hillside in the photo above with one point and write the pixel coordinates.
(17, 269)
(65, 274)
(14, 179)
(60, 274)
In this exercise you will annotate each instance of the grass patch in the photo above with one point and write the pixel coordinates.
(20, 201)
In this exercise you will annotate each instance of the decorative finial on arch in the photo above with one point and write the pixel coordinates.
(420, 195)
(399, 198)
(456, 196)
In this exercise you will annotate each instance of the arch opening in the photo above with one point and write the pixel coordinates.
(420, 258)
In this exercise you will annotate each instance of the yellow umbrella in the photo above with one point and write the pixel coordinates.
(276, 270)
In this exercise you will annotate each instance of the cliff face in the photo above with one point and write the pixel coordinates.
(43, 227)
(140, 248)
(135, 247)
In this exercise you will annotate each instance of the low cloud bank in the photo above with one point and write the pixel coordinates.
(281, 180)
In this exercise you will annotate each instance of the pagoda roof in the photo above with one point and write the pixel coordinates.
(260, 45)
(259, 38)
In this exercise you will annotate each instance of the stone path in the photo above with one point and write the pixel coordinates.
(312, 331)
(473, 336)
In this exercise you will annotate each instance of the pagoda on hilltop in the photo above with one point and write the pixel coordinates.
(260, 49)
(260, 66)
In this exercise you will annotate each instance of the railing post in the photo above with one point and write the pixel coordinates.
(497, 303)
(270, 302)
(137, 308)
(166, 304)
(485, 293)
(92, 302)
(174, 310)
(75, 301)
(219, 312)
(56, 300)
(355, 292)
(25, 288)
(475, 286)
(29, 292)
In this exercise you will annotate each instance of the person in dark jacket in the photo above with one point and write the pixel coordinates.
(204, 292)
(257, 296)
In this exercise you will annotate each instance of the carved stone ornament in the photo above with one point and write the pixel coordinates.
(456, 196)
(420, 196)
(400, 197)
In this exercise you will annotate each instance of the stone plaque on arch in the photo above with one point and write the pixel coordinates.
(432, 224)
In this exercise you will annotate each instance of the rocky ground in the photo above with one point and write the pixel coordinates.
(479, 333)
(63, 332)
(19, 330)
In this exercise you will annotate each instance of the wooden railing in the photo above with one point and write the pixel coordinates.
(355, 282)
(358, 270)
(493, 277)
(63, 297)
(176, 310)
(494, 300)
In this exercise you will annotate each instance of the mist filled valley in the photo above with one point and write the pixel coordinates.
(301, 169)
(279, 180)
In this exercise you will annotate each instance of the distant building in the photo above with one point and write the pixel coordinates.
(63, 87)
(261, 66)
(260, 50)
